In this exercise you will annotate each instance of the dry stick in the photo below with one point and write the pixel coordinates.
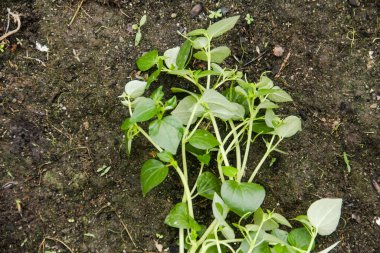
(76, 12)
(17, 19)
(282, 65)
(42, 245)
(126, 229)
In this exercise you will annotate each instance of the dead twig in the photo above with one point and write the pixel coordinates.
(76, 12)
(126, 229)
(376, 186)
(16, 18)
(41, 248)
(283, 65)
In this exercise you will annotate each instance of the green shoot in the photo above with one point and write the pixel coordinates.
(248, 19)
(215, 14)
(103, 170)
(137, 27)
(347, 162)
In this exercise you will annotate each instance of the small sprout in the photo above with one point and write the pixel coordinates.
(2, 48)
(215, 14)
(23, 242)
(137, 27)
(272, 161)
(103, 170)
(71, 220)
(18, 206)
(249, 19)
(159, 236)
(347, 162)
(89, 235)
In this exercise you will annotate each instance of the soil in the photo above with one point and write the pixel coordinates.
(60, 118)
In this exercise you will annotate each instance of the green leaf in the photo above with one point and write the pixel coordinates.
(153, 77)
(165, 156)
(184, 109)
(200, 42)
(267, 105)
(135, 88)
(304, 220)
(142, 20)
(147, 60)
(183, 54)
(280, 234)
(205, 158)
(261, 127)
(157, 94)
(207, 185)
(328, 249)
(196, 32)
(171, 103)
(126, 124)
(138, 38)
(219, 209)
(167, 133)
(324, 214)
(268, 225)
(229, 171)
(171, 57)
(221, 107)
(271, 119)
(153, 173)
(279, 95)
(281, 219)
(242, 197)
(289, 127)
(144, 111)
(179, 218)
(203, 139)
(299, 238)
(218, 55)
(264, 83)
(222, 26)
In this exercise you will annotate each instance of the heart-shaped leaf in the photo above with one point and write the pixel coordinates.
(147, 61)
(153, 173)
(135, 88)
(179, 218)
(207, 185)
(242, 197)
(288, 127)
(324, 214)
(167, 133)
(203, 139)
(300, 238)
(144, 111)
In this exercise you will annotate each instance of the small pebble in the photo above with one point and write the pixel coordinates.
(196, 10)
(354, 3)
(278, 51)
(173, 15)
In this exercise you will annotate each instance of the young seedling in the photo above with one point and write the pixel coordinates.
(103, 170)
(248, 19)
(215, 14)
(347, 162)
(137, 27)
(220, 118)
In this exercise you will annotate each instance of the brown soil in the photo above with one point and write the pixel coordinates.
(60, 118)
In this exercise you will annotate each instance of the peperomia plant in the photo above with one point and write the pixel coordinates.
(221, 119)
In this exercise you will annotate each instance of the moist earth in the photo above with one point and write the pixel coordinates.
(60, 118)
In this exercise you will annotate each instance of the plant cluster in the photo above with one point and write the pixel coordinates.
(219, 120)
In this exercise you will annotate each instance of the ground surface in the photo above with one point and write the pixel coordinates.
(60, 118)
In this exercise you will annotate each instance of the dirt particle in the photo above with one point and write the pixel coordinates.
(354, 3)
(53, 180)
(196, 10)
(278, 51)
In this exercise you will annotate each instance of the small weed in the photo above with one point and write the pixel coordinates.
(103, 170)
(215, 14)
(347, 162)
(248, 19)
(137, 27)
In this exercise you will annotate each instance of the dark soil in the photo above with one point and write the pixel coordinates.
(60, 118)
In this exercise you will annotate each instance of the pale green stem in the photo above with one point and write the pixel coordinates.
(314, 235)
(221, 148)
(208, 53)
(149, 139)
(248, 145)
(252, 246)
(270, 148)
(195, 185)
(181, 240)
(237, 147)
(210, 228)
(187, 193)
